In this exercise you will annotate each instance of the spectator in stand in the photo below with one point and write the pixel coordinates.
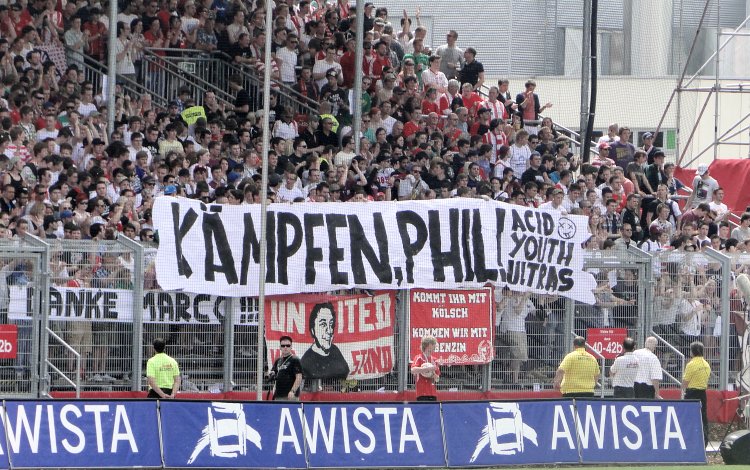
(451, 57)
(703, 187)
(530, 107)
(472, 71)
(741, 233)
(624, 151)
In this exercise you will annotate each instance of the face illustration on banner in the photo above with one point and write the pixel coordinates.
(323, 360)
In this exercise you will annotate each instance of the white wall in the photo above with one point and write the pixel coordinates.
(640, 102)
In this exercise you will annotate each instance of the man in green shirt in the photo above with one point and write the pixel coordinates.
(419, 59)
(162, 372)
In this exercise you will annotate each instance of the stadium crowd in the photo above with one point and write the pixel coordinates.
(432, 128)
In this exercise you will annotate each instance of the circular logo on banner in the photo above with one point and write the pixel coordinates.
(566, 228)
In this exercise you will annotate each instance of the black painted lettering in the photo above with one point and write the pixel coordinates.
(411, 248)
(452, 257)
(197, 301)
(466, 243)
(335, 254)
(109, 305)
(480, 263)
(287, 249)
(250, 247)
(180, 230)
(213, 230)
(360, 245)
(182, 307)
(314, 254)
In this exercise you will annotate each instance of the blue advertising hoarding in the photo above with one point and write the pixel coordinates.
(640, 431)
(232, 435)
(81, 434)
(374, 435)
(202, 434)
(509, 433)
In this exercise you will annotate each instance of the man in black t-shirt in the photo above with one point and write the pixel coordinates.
(287, 371)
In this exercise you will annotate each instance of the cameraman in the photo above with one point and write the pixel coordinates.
(287, 373)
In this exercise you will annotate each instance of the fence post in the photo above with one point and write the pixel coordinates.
(136, 366)
(403, 339)
(726, 278)
(228, 372)
(38, 369)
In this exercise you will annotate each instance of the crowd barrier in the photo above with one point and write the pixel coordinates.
(221, 434)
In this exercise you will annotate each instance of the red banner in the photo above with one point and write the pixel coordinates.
(606, 341)
(460, 320)
(8, 341)
(335, 336)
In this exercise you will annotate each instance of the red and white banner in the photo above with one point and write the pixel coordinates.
(460, 320)
(8, 341)
(335, 336)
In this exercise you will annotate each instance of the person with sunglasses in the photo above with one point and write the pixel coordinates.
(286, 372)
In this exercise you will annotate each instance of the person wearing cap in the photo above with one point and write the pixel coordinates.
(648, 146)
(337, 97)
(602, 158)
(655, 170)
(704, 186)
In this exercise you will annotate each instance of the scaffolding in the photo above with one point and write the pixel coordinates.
(687, 84)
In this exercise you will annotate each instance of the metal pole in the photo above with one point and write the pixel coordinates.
(228, 371)
(695, 128)
(585, 68)
(594, 78)
(684, 71)
(716, 81)
(136, 365)
(726, 275)
(264, 207)
(111, 66)
(358, 57)
(402, 314)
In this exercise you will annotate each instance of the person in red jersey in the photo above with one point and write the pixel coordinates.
(426, 372)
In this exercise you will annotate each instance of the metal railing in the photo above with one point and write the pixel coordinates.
(666, 344)
(602, 367)
(165, 70)
(96, 72)
(76, 382)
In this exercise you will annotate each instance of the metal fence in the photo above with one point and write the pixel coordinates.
(88, 311)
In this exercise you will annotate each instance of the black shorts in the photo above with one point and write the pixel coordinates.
(152, 393)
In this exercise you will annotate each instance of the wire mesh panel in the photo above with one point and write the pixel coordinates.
(530, 340)
(91, 308)
(20, 318)
(687, 308)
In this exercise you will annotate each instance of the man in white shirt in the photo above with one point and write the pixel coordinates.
(520, 153)
(717, 205)
(289, 192)
(287, 58)
(649, 374)
(624, 370)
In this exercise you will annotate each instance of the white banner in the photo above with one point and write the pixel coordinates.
(116, 305)
(313, 247)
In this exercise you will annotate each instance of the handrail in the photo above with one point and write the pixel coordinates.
(289, 90)
(282, 88)
(154, 60)
(77, 383)
(675, 350)
(127, 83)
